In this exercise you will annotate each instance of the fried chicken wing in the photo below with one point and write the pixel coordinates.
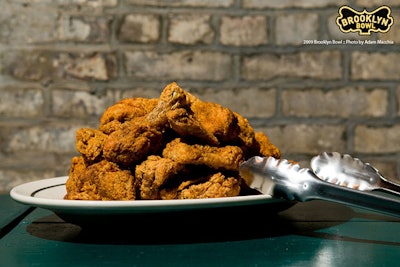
(214, 185)
(100, 181)
(227, 157)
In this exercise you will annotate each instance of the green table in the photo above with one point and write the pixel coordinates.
(307, 234)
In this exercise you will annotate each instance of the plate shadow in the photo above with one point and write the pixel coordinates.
(208, 225)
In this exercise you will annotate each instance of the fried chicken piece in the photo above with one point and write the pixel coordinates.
(125, 110)
(186, 125)
(263, 147)
(153, 173)
(134, 141)
(172, 97)
(74, 184)
(217, 140)
(100, 181)
(186, 115)
(212, 186)
(227, 157)
(137, 138)
(216, 120)
(246, 134)
(209, 122)
(89, 142)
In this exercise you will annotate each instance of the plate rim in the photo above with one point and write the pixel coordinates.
(24, 193)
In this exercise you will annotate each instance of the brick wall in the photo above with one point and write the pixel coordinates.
(62, 63)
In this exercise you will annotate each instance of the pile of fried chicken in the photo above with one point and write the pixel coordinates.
(173, 147)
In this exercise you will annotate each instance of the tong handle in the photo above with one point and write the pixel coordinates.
(326, 191)
(389, 187)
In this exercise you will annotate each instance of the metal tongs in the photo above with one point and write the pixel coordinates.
(335, 178)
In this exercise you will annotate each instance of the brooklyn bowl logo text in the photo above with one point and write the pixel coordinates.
(350, 20)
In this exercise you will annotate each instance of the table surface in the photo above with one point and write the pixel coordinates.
(315, 233)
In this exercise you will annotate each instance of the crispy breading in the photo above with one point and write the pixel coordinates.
(172, 97)
(133, 142)
(153, 173)
(74, 184)
(207, 121)
(263, 147)
(216, 120)
(125, 110)
(227, 157)
(246, 133)
(100, 181)
(186, 125)
(215, 185)
(89, 142)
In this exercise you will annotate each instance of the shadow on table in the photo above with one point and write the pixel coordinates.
(212, 225)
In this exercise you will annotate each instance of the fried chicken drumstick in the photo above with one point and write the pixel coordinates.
(227, 157)
(173, 147)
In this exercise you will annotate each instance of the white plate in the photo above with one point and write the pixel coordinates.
(49, 193)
